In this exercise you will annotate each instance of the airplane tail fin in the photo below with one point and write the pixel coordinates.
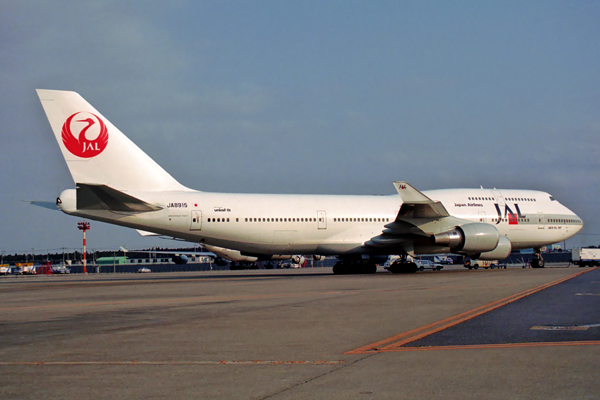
(96, 152)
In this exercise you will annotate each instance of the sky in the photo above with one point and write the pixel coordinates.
(305, 96)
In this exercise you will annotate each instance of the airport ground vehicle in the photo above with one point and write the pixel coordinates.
(16, 270)
(476, 264)
(426, 264)
(144, 270)
(60, 269)
(26, 268)
(443, 260)
(4, 269)
(586, 257)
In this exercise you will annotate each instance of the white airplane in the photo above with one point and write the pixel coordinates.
(117, 183)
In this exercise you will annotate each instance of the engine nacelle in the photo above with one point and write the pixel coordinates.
(221, 262)
(501, 251)
(298, 259)
(180, 259)
(469, 238)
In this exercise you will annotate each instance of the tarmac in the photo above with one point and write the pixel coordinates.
(303, 334)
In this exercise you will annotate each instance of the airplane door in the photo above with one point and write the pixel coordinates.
(541, 221)
(499, 198)
(482, 217)
(321, 220)
(196, 220)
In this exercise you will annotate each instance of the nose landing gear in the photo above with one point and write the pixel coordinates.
(537, 261)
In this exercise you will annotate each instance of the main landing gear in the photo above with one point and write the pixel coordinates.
(348, 266)
(537, 261)
(403, 266)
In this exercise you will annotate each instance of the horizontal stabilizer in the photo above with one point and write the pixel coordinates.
(146, 233)
(45, 204)
(102, 197)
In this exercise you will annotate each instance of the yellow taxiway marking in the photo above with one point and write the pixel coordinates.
(396, 343)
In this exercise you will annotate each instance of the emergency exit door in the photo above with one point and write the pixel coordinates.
(196, 220)
(321, 220)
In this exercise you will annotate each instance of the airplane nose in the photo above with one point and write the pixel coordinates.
(580, 226)
(573, 229)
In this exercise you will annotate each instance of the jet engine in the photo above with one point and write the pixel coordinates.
(469, 238)
(501, 251)
(299, 259)
(179, 259)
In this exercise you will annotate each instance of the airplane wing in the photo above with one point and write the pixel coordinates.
(416, 212)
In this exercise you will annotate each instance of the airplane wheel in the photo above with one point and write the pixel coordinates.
(406, 268)
(338, 269)
(537, 263)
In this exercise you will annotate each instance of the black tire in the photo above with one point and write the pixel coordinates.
(537, 263)
(370, 268)
(421, 269)
(476, 266)
(407, 268)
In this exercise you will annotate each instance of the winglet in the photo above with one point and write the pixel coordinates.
(411, 195)
(416, 205)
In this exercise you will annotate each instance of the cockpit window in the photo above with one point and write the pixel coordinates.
(552, 198)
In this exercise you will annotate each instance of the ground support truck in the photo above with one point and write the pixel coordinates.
(585, 257)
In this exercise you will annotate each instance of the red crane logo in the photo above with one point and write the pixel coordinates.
(80, 145)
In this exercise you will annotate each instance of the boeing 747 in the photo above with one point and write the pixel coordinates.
(117, 183)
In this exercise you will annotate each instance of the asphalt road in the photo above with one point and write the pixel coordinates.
(295, 334)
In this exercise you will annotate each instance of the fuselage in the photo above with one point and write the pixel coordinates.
(267, 224)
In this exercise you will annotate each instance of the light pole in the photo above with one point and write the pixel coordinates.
(84, 226)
